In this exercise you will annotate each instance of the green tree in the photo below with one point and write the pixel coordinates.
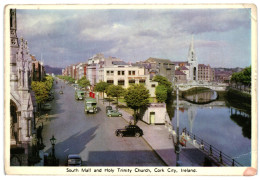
(101, 87)
(161, 93)
(115, 91)
(83, 82)
(136, 97)
(163, 81)
(40, 90)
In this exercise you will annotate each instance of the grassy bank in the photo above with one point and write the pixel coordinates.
(239, 100)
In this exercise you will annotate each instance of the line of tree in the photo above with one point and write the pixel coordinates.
(242, 78)
(67, 78)
(42, 89)
(83, 82)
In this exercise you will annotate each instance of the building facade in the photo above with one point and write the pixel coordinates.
(22, 99)
(206, 73)
(126, 75)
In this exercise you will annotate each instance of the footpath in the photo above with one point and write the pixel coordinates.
(160, 138)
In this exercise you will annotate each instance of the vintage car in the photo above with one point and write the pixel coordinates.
(114, 113)
(74, 160)
(108, 108)
(79, 95)
(130, 130)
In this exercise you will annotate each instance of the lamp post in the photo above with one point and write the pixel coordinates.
(177, 145)
(178, 138)
(53, 141)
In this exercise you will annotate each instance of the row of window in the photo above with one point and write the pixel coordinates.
(121, 73)
(122, 82)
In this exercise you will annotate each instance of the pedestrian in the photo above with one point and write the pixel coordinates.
(39, 134)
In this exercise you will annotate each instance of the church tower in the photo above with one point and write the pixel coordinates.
(192, 60)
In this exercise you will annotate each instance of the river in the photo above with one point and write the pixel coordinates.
(225, 128)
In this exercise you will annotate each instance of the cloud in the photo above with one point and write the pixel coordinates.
(74, 35)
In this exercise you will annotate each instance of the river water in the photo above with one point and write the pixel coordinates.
(225, 128)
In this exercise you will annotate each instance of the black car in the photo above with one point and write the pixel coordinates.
(108, 108)
(130, 130)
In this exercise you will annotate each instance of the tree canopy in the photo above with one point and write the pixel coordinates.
(115, 91)
(161, 93)
(137, 96)
(243, 77)
(83, 82)
(163, 84)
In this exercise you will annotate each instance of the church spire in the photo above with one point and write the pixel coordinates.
(191, 55)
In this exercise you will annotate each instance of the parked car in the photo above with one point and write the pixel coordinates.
(74, 160)
(46, 107)
(108, 108)
(61, 92)
(114, 113)
(130, 130)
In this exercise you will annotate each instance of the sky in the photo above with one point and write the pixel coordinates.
(222, 37)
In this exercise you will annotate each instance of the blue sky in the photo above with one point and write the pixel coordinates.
(222, 37)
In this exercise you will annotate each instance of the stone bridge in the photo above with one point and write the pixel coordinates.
(213, 86)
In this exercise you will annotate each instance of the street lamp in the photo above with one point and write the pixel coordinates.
(177, 146)
(53, 141)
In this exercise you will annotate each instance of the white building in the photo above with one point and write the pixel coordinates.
(156, 113)
(125, 75)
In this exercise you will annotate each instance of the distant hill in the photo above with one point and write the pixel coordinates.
(54, 70)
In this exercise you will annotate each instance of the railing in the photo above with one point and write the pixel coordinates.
(212, 152)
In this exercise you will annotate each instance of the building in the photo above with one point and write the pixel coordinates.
(156, 66)
(120, 73)
(94, 64)
(156, 113)
(180, 77)
(22, 99)
(189, 67)
(205, 73)
(38, 71)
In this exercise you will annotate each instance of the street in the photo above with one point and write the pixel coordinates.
(92, 136)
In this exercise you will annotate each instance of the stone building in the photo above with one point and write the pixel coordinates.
(22, 98)
(206, 73)
(156, 66)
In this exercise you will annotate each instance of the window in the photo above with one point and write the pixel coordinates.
(110, 81)
(118, 72)
(133, 72)
(129, 73)
(123, 72)
(142, 81)
(121, 82)
(131, 81)
(107, 72)
(153, 85)
(112, 72)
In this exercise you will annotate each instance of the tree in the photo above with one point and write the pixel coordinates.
(161, 93)
(40, 90)
(163, 81)
(83, 82)
(137, 96)
(115, 91)
(101, 87)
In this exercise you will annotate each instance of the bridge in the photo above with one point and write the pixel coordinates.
(211, 85)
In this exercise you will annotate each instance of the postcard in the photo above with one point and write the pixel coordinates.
(130, 89)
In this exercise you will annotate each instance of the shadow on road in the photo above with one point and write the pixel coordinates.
(73, 145)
